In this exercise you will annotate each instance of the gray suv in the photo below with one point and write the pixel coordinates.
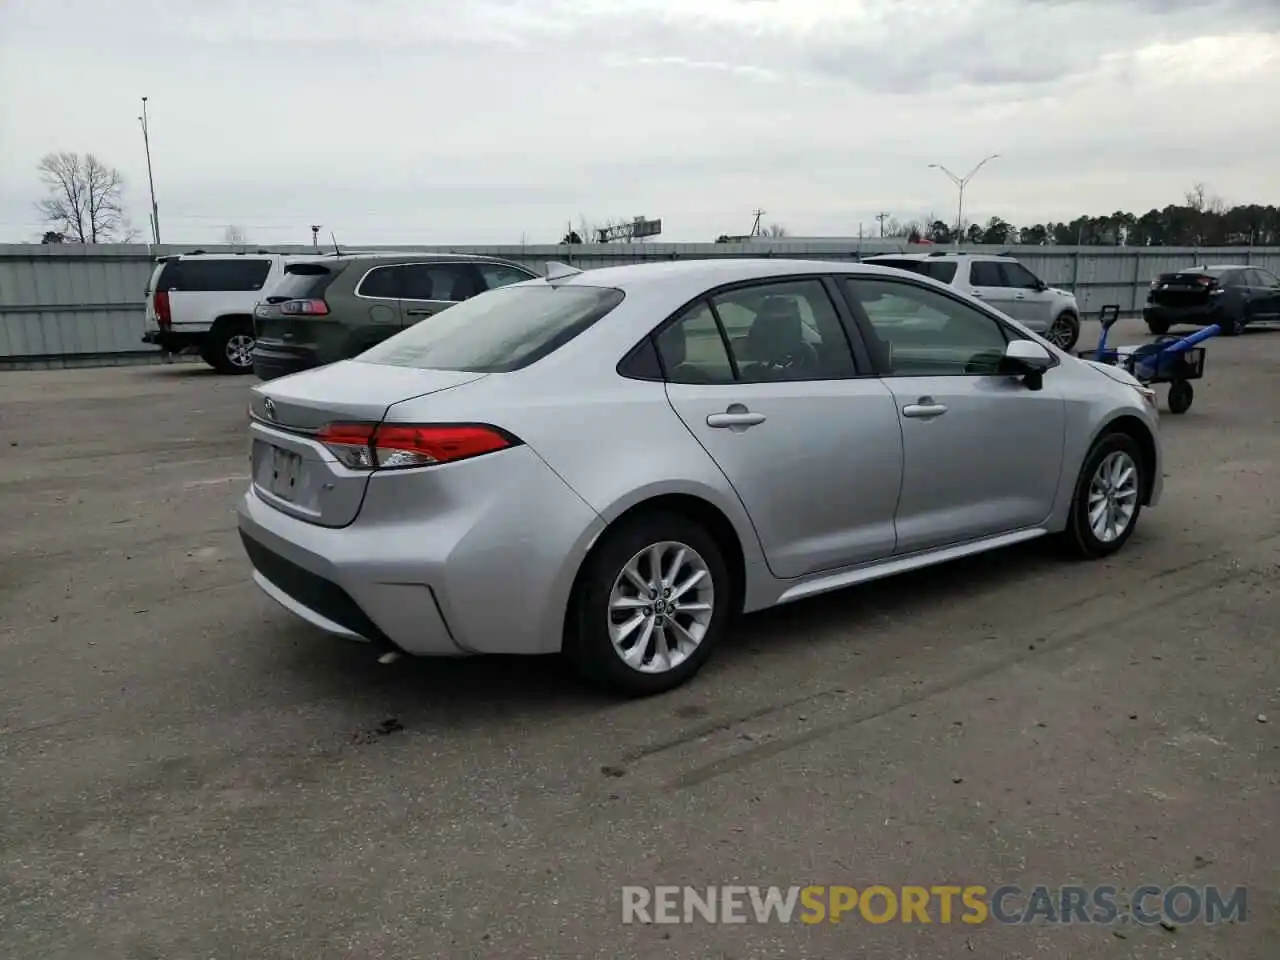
(334, 307)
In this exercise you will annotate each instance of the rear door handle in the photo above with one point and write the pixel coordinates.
(1021, 296)
(924, 409)
(744, 418)
(419, 312)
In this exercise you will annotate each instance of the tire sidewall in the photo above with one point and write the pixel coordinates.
(218, 343)
(1072, 321)
(587, 643)
(1081, 536)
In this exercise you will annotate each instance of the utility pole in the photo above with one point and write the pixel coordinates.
(961, 183)
(146, 143)
(882, 217)
(315, 235)
(755, 227)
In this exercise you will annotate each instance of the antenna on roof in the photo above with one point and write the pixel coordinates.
(336, 251)
(559, 271)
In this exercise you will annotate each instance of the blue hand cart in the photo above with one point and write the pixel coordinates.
(1172, 360)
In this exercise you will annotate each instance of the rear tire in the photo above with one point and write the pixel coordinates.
(1236, 325)
(1108, 498)
(1158, 327)
(1064, 331)
(228, 348)
(614, 607)
(1181, 393)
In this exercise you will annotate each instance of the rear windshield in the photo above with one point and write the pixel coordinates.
(944, 271)
(498, 331)
(302, 281)
(198, 275)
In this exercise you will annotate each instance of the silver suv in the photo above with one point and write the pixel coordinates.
(1002, 282)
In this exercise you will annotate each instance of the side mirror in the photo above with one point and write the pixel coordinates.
(1041, 286)
(1027, 359)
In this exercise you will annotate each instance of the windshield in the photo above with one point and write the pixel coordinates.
(498, 331)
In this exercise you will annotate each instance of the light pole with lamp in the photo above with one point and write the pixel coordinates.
(961, 183)
(146, 142)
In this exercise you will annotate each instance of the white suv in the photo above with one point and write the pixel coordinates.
(204, 302)
(1003, 283)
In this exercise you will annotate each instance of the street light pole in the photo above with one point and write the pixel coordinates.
(961, 183)
(146, 142)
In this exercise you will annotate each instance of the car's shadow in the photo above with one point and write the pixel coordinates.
(429, 692)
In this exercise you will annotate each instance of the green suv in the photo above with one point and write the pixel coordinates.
(333, 307)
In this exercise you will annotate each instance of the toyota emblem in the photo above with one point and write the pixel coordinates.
(269, 408)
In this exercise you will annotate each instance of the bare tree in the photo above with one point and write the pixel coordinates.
(774, 231)
(84, 198)
(235, 235)
(1196, 197)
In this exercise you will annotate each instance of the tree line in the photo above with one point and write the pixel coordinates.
(1201, 220)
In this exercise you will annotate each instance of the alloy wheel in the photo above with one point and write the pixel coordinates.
(660, 607)
(1060, 334)
(240, 350)
(1113, 496)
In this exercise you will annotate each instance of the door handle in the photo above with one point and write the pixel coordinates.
(735, 418)
(924, 409)
(1020, 296)
(419, 312)
(975, 294)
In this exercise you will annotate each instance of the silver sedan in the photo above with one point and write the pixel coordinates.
(613, 464)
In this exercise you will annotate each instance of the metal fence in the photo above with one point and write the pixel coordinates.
(72, 304)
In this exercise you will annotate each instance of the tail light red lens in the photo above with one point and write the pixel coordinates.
(161, 304)
(395, 446)
(310, 308)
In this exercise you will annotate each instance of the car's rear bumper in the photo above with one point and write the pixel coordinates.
(271, 360)
(172, 341)
(481, 562)
(1198, 314)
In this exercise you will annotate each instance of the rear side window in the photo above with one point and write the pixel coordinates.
(499, 274)
(986, 273)
(198, 275)
(499, 331)
(303, 281)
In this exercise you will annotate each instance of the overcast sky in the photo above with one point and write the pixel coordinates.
(489, 121)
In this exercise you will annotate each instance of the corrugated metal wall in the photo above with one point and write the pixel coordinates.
(64, 302)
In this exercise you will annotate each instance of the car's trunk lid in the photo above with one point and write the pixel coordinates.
(1182, 289)
(296, 473)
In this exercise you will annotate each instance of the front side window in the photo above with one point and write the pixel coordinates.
(1019, 276)
(504, 330)
(921, 332)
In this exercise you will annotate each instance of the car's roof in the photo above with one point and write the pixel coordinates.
(704, 274)
(947, 255)
(1215, 266)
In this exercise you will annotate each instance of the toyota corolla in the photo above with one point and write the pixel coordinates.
(613, 464)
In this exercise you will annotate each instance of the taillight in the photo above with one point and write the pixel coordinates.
(394, 446)
(1205, 281)
(161, 304)
(311, 308)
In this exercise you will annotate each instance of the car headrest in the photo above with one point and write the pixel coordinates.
(777, 330)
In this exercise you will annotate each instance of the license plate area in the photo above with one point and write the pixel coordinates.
(283, 473)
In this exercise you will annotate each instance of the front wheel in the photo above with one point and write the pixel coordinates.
(651, 603)
(1064, 332)
(1158, 327)
(1108, 497)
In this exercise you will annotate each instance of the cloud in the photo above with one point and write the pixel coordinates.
(428, 120)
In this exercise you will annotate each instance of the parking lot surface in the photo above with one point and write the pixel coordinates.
(187, 772)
